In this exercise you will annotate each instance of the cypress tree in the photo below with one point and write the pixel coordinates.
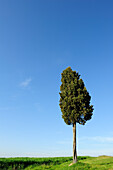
(74, 102)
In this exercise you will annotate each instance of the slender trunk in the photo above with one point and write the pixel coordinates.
(74, 144)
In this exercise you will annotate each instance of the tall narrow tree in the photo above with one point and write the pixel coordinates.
(74, 102)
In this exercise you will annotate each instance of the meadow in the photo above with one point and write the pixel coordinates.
(57, 163)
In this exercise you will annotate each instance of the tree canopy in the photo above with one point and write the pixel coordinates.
(74, 98)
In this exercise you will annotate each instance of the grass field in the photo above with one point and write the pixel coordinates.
(61, 163)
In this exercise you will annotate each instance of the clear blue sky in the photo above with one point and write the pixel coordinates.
(38, 40)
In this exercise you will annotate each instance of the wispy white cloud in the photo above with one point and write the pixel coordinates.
(25, 83)
(8, 109)
(97, 138)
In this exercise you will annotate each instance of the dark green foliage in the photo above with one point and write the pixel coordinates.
(74, 98)
(22, 163)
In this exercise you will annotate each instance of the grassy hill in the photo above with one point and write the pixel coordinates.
(61, 163)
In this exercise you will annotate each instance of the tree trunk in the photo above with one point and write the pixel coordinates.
(74, 144)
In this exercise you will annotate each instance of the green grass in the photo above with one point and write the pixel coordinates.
(59, 163)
